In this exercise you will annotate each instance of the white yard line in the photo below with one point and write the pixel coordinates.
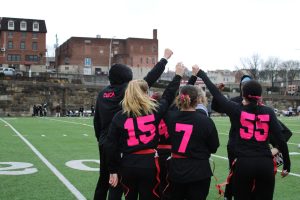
(70, 122)
(225, 158)
(59, 175)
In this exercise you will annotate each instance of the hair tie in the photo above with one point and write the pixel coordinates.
(184, 96)
(257, 98)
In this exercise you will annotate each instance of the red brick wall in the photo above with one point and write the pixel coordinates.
(16, 39)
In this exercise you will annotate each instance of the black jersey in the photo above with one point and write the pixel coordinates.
(253, 126)
(108, 101)
(132, 134)
(194, 137)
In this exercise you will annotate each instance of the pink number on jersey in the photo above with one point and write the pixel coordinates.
(188, 129)
(163, 129)
(132, 140)
(141, 122)
(247, 132)
(261, 124)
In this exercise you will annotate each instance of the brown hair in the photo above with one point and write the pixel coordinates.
(187, 98)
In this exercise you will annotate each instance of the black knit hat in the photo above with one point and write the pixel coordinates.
(119, 74)
(252, 90)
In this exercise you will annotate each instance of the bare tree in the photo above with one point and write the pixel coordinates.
(252, 64)
(270, 69)
(291, 69)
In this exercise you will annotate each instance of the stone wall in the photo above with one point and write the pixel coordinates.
(18, 97)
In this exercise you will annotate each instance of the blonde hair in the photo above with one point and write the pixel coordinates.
(136, 101)
(201, 96)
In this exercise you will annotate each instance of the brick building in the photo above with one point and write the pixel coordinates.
(89, 56)
(23, 43)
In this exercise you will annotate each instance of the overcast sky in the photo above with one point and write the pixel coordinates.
(215, 34)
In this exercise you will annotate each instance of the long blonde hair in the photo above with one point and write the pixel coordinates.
(136, 101)
(201, 96)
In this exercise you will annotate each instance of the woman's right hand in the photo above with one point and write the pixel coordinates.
(180, 69)
(113, 180)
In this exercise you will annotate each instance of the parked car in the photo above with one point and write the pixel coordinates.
(9, 72)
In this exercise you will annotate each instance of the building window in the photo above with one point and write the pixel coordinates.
(11, 25)
(147, 60)
(10, 45)
(32, 58)
(22, 45)
(23, 26)
(23, 34)
(13, 57)
(154, 49)
(153, 60)
(35, 26)
(10, 34)
(34, 35)
(87, 62)
(66, 68)
(141, 60)
(34, 46)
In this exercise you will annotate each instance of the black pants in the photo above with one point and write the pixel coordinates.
(228, 189)
(138, 183)
(164, 190)
(190, 191)
(103, 182)
(257, 172)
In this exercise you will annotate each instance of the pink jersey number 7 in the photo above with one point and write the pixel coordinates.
(188, 129)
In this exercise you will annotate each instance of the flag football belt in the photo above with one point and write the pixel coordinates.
(152, 151)
(175, 155)
(164, 146)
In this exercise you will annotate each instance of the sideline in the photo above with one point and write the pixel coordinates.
(225, 158)
(59, 175)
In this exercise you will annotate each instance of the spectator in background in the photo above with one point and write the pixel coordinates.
(57, 110)
(298, 110)
(92, 110)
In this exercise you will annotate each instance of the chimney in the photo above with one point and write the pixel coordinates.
(155, 34)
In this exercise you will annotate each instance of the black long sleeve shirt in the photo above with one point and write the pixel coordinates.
(131, 134)
(108, 101)
(253, 126)
(193, 135)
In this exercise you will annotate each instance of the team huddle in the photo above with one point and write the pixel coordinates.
(158, 147)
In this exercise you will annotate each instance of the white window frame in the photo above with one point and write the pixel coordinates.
(23, 26)
(11, 25)
(87, 62)
(35, 28)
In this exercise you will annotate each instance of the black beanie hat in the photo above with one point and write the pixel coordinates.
(119, 74)
(252, 90)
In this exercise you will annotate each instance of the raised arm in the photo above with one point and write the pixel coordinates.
(170, 92)
(227, 105)
(158, 69)
(192, 80)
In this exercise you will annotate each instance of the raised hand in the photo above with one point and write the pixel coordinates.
(180, 69)
(195, 69)
(168, 53)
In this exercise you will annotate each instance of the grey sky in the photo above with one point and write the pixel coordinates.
(212, 33)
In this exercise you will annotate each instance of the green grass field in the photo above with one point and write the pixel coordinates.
(57, 159)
